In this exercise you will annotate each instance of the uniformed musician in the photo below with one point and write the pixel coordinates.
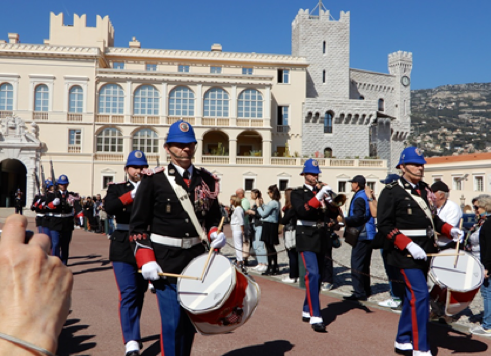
(60, 205)
(407, 217)
(312, 238)
(38, 206)
(45, 222)
(131, 284)
(172, 240)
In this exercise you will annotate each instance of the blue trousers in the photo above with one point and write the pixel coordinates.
(132, 287)
(43, 230)
(259, 246)
(313, 263)
(361, 256)
(486, 298)
(413, 324)
(60, 243)
(178, 332)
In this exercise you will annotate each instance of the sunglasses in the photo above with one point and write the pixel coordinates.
(475, 207)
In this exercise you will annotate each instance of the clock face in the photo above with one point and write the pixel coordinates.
(405, 81)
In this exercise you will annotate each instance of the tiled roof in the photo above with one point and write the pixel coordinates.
(461, 158)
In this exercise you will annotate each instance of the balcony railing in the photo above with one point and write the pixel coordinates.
(113, 157)
(104, 118)
(215, 159)
(173, 119)
(250, 160)
(73, 148)
(283, 128)
(74, 117)
(141, 119)
(283, 161)
(5, 113)
(219, 121)
(40, 116)
(250, 122)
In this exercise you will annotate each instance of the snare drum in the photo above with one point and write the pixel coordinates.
(224, 300)
(458, 284)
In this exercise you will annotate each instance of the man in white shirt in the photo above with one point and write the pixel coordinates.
(447, 210)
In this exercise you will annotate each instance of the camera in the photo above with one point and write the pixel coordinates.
(336, 242)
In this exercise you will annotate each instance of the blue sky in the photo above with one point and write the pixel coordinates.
(450, 40)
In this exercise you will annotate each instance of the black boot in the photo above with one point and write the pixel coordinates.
(274, 264)
(269, 271)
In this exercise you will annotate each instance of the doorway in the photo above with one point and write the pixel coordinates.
(13, 176)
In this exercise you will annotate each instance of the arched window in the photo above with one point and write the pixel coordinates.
(328, 152)
(181, 102)
(146, 140)
(216, 103)
(146, 101)
(76, 99)
(6, 96)
(328, 122)
(381, 104)
(110, 140)
(250, 104)
(41, 98)
(111, 99)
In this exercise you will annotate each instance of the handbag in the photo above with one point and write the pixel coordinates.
(290, 239)
(351, 235)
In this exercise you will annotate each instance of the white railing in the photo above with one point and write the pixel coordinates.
(115, 119)
(40, 116)
(173, 119)
(250, 160)
(284, 161)
(74, 117)
(211, 121)
(108, 157)
(370, 163)
(215, 159)
(141, 119)
(250, 122)
(73, 148)
(342, 162)
(5, 113)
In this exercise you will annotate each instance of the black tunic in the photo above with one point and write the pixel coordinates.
(65, 208)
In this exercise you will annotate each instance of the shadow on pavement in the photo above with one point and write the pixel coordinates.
(103, 262)
(91, 270)
(69, 344)
(336, 309)
(154, 349)
(444, 337)
(270, 348)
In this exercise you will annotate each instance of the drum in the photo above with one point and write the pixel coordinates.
(224, 300)
(456, 285)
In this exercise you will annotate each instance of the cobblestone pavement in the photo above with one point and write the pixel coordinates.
(342, 279)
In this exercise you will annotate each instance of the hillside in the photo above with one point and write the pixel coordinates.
(452, 119)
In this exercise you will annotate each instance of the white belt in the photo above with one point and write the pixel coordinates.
(185, 242)
(415, 232)
(306, 223)
(63, 215)
(123, 227)
(40, 215)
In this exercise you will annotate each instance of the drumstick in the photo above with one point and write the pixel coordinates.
(439, 254)
(458, 243)
(164, 274)
(220, 226)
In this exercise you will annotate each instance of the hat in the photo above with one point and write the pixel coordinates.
(48, 183)
(359, 179)
(136, 158)
(439, 186)
(63, 180)
(390, 178)
(181, 132)
(311, 166)
(411, 155)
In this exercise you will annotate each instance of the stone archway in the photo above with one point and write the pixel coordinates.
(13, 176)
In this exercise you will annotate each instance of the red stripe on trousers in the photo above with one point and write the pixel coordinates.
(119, 306)
(414, 315)
(307, 285)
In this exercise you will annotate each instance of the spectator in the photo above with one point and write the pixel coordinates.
(237, 226)
(270, 216)
(289, 221)
(246, 205)
(18, 201)
(89, 213)
(447, 211)
(472, 243)
(257, 226)
(327, 282)
(97, 211)
(484, 209)
(359, 216)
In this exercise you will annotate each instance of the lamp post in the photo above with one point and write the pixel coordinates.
(462, 202)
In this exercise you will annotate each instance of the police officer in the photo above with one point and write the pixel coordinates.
(312, 238)
(131, 284)
(407, 217)
(173, 241)
(60, 205)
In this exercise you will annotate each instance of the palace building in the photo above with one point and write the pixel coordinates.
(80, 102)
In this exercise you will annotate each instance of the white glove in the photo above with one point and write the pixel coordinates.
(416, 251)
(56, 201)
(133, 192)
(324, 190)
(457, 234)
(218, 240)
(151, 270)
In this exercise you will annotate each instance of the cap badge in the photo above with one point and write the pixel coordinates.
(138, 154)
(418, 152)
(184, 127)
(315, 163)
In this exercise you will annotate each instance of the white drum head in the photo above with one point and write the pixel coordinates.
(467, 275)
(209, 294)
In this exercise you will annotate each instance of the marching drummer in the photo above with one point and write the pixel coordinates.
(173, 239)
(407, 217)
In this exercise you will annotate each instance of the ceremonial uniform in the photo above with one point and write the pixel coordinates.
(131, 284)
(406, 216)
(38, 206)
(61, 224)
(172, 241)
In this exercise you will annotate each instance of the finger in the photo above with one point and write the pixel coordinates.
(14, 230)
(42, 241)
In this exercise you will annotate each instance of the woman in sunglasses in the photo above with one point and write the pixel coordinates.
(472, 240)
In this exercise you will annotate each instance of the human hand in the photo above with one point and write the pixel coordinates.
(323, 192)
(416, 251)
(133, 192)
(56, 201)
(457, 234)
(217, 240)
(151, 270)
(36, 289)
(369, 192)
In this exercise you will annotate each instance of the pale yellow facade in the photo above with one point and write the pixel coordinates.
(57, 89)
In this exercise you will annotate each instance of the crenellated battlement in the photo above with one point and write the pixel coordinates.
(79, 34)
(323, 16)
(400, 55)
